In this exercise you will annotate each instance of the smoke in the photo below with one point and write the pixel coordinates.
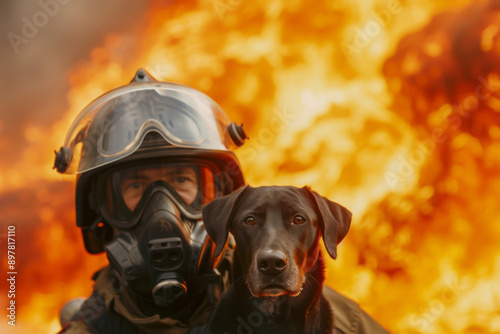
(35, 60)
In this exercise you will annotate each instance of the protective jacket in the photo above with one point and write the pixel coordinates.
(113, 310)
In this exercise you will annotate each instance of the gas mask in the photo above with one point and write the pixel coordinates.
(161, 249)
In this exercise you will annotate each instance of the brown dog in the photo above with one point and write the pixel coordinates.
(278, 270)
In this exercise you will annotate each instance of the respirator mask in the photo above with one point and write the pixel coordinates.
(161, 249)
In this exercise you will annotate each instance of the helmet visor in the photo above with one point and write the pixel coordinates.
(114, 125)
(127, 190)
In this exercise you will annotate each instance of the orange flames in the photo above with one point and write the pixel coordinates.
(388, 107)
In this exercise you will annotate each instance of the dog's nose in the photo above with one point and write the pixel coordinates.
(272, 263)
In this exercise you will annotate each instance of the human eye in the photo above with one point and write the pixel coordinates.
(133, 185)
(180, 179)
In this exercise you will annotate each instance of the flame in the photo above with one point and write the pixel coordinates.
(390, 108)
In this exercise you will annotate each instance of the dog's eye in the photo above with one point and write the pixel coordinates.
(249, 220)
(299, 220)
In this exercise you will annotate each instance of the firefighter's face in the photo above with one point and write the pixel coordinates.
(183, 179)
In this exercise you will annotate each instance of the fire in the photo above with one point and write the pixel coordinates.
(390, 108)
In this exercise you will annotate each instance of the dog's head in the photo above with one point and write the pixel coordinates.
(276, 230)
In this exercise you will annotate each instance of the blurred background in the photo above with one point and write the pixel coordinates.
(389, 107)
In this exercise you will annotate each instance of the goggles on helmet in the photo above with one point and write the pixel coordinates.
(124, 192)
(114, 125)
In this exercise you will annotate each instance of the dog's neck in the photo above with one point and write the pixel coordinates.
(300, 307)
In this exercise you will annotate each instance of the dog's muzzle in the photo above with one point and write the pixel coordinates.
(273, 274)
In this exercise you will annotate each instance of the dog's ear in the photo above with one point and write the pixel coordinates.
(334, 221)
(216, 216)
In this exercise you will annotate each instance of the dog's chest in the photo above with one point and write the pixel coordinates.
(261, 316)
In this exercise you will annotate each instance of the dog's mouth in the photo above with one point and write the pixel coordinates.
(274, 291)
(287, 283)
